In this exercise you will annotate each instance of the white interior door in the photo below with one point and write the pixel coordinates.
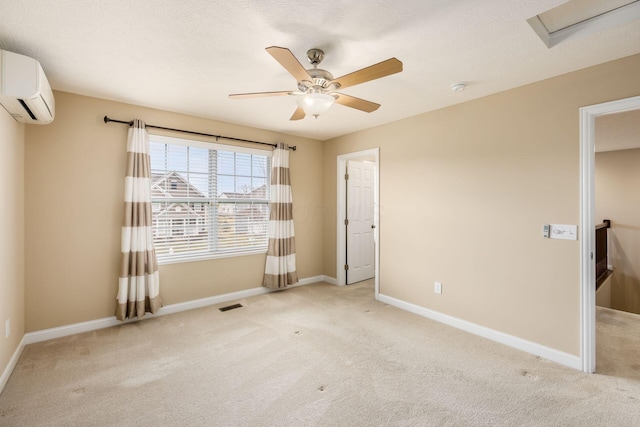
(360, 242)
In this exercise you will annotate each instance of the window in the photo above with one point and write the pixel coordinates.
(209, 200)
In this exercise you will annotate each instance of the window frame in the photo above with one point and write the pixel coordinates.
(211, 202)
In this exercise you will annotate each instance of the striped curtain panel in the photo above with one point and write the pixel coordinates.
(139, 283)
(280, 270)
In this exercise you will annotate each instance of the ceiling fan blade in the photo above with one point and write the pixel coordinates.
(298, 114)
(289, 62)
(381, 69)
(357, 103)
(258, 94)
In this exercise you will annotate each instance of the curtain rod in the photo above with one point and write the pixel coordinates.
(107, 120)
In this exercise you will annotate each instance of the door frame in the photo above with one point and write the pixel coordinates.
(341, 214)
(587, 223)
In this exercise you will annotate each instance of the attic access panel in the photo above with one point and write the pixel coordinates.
(580, 18)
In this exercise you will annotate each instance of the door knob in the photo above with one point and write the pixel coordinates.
(373, 226)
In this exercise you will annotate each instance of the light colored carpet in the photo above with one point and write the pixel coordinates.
(313, 355)
(618, 344)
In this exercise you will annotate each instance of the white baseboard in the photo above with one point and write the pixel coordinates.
(315, 279)
(92, 325)
(310, 280)
(330, 280)
(12, 364)
(554, 355)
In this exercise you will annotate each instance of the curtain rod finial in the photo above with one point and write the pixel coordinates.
(106, 119)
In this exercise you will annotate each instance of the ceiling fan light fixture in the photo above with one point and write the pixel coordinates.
(317, 89)
(315, 104)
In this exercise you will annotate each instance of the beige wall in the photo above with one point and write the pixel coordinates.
(464, 193)
(74, 194)
(12, 304)
(618, 199)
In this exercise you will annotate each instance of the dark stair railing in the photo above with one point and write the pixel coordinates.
(602, 269)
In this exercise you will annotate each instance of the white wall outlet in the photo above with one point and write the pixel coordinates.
(7, 328)
(437, 288)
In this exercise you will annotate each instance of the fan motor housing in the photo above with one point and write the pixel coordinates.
(320, 77)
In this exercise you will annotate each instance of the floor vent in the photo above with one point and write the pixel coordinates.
(230, 307)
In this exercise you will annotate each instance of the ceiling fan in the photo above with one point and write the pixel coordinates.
(317, 89)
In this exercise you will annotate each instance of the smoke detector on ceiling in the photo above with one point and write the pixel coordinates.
(458, 87)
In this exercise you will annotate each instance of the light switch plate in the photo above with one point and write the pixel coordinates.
(564, 232)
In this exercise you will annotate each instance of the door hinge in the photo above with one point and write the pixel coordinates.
(346, 176)
(346, 267)
(591, 255)
(346, 222)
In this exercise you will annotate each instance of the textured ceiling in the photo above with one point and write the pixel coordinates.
(187, 56)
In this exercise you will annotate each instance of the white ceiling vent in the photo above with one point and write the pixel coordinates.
(579, 18)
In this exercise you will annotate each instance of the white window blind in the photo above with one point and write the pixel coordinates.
(208, 200)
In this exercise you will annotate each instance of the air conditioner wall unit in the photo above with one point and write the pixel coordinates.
(24, 90)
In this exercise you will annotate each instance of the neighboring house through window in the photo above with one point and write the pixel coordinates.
(208, 200)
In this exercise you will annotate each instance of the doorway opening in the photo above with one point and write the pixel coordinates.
(358, 213)
(588, 117)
